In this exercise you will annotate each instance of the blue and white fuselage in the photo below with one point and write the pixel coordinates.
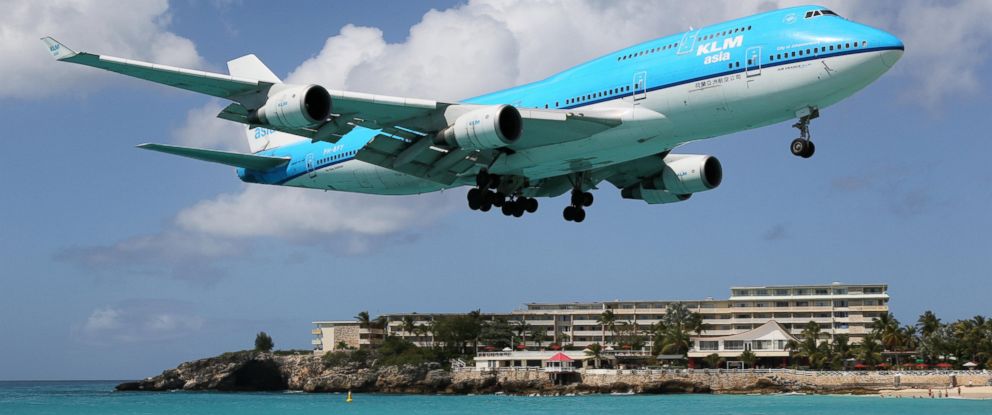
(716, 80)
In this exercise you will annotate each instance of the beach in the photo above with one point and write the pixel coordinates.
(963, 392)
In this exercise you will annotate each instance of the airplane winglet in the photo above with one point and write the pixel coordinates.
(58, 50)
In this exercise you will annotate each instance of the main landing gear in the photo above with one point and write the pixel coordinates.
(575, 212)
(487, 195)
(803, 146)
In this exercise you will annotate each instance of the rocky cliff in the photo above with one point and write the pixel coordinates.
(253, 371)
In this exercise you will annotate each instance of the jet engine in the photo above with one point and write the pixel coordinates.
(482, 129)
(686, 174)
(681, 176)
(294, 106)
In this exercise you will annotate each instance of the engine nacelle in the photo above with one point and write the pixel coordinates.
(653, 196)
(294, 106)
(687, 174)
(483, 128)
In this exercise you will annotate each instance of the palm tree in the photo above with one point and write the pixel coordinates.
(748, 358)
(869, 351)
(928, 323)
(364, 321)
(712, 360)
(887, 327)
(538, 334)
(409, 325)
(522, 329)
(596, 351)
(607, 320)
(808, 345)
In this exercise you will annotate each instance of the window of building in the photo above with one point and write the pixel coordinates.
(802, 303)
(761, 344)
(759, 292)
(840, 303)
(709, 345)
(821, 304)
(822, 291)
(733, 345)
(781, 304)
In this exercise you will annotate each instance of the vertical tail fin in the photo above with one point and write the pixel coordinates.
(260, 139)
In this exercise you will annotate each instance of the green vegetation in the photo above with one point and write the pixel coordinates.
(713, 361)
(263, 342)
(748, 358)
(672, 334)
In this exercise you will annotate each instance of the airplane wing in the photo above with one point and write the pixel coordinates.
(248, 161)
(412, 152)
(406, 123)
(351, 109)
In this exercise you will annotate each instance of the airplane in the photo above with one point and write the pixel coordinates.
(616, 118)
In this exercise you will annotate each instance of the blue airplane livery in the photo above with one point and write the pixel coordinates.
(616, 119)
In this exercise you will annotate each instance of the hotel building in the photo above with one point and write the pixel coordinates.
(838, 309)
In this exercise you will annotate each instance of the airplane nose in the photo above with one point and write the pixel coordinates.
(894, 49)
(890, 57)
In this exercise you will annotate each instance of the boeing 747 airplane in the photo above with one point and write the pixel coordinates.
(615, 119)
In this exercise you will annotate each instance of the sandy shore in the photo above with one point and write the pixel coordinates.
(964, 392)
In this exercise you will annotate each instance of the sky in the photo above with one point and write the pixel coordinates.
(118, 263)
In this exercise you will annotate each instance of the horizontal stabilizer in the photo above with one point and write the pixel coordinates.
(248, 161)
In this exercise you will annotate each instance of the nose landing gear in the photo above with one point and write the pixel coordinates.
(803, 146)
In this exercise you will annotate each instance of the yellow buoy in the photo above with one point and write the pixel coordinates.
(349, 397)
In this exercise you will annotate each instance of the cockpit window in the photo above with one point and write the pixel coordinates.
(824, 12)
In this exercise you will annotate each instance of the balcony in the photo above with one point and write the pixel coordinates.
(315, 342)
(315, 332)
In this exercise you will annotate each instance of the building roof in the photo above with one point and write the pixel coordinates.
(560, 357)
(771, 330)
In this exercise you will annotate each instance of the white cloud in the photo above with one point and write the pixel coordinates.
(138, 321)
(292, 213)
(203, 129)
(137, 29)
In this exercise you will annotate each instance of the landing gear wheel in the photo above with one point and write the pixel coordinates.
(530, 205)
(569, 213)
(474, 201)
(507, 209)
(486, 205)
(799, 147)
(518, 209)
(810, 150)
(587, 199)
(580, 215)
(499, 199)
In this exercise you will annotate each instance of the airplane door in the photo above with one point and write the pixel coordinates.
(640, 85)
(311, 165)
(688, 42)
(753, 67)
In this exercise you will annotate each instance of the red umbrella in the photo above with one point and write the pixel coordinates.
(521, 346)
(555, 346)
(882, 365)
(488, 348)
(944, 365)
(860, 366)
(922, 365)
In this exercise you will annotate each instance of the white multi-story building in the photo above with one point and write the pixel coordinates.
(837, 308)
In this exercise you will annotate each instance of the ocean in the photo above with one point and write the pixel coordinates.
(91, 397)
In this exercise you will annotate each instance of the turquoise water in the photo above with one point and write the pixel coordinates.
(99, 398)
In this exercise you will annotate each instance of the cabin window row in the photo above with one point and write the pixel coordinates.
(816, 50)
(647, 52)
(336, 157)
(725, 33)
(602, 94)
